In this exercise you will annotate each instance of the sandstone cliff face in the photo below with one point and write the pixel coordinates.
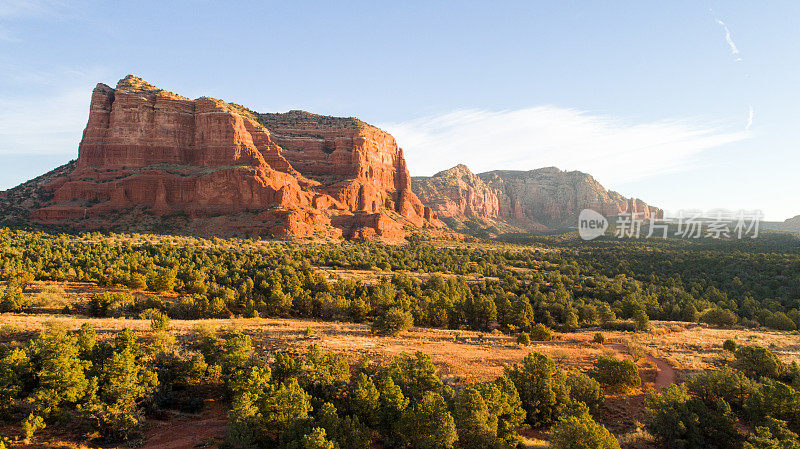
(552, 198)
(152, 158)
(463, 201)
(457, 192)
(512, 201)
(356, 163)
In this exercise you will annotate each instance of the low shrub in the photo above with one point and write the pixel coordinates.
(599, 338)
(618, 374)
(392, 322)
(585, 389)
(756, 361)
(718, 317)
(540, 332)
(620, 325)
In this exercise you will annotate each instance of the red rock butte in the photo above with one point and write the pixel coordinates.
(151, 159)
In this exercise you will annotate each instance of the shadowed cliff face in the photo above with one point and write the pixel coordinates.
(151, 158)
(546, 198)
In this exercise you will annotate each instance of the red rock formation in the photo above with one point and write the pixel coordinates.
(457, 192)
(512, 201)
(150, 153)
(552, 198)
(356, 163)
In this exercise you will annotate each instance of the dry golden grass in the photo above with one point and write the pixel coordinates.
(697, 347)
(460, 356)
(464, 355)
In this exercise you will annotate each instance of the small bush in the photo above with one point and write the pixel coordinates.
(585, 389)
(729, 345)
(33, 423)
(641, 320)
(779, 321)
(581, 432)
(110, 304)
(542, 388)
(12, 299)
(599, 338)
(392, 322)
(635, 350)
(158, 319)
(718, 317)
(523, 339)
(757, 361)
(620, 325)
(614, 373)
(540, 332)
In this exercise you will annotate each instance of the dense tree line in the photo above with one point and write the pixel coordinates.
(564, 286)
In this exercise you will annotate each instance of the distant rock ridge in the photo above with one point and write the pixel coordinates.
(545, 198)
(462, 200)
(791, 224)
(153, 160)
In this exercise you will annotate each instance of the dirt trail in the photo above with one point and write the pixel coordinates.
(666, 375)
(206, 430)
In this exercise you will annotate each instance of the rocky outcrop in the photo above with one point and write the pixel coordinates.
(790, 224)
(512, 201)
(457, 191)
(356, 163)
(553, 198)
(462, 200)
(153, 159)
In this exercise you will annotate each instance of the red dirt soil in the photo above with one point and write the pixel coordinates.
(207, 430)
(666, 375)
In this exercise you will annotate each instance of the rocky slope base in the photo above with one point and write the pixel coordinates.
(151, 160)
(509, 201)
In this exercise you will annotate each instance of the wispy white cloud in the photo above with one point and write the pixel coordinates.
(728, 37)
(14, 10)
(749, 119)
(50, 125)
(30, 8)
(611, 149)
(44, 112)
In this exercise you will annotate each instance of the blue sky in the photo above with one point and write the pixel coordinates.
(652, 98)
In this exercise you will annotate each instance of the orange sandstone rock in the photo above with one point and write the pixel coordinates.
(208, 166)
